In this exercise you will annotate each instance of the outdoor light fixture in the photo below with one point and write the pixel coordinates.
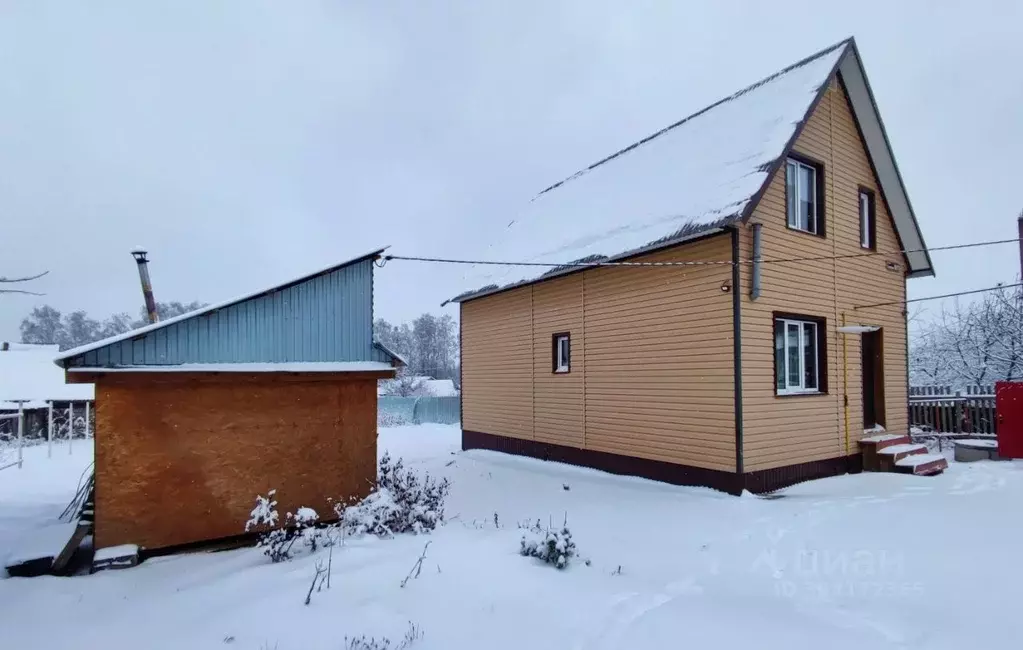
(858, 329)
(726, 286)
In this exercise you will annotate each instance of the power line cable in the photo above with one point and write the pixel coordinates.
(947, 295)
(598, 263)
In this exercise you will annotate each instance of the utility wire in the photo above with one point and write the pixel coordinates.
(781, 260)
(947, 295)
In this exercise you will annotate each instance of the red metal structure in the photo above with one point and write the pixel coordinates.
(1009, 407)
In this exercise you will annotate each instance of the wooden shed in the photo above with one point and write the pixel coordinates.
(198, 414)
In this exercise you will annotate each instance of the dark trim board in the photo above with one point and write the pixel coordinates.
(613, 463)
(769, 480)
(758, 482)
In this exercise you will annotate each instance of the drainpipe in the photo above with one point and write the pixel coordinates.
(845, 383)
(147, 285)
(754, 291)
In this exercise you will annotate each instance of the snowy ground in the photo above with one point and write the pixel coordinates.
(32, 498)
(867, 561)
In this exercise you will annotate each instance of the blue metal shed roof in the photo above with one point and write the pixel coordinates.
(325, 316)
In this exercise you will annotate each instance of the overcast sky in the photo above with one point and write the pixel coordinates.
(244, 143)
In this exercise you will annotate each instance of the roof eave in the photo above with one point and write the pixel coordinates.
(917, 268)
(396, 359)
(720, 227)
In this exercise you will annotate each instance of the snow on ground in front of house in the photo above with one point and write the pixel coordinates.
(32, 498)
(865, 561)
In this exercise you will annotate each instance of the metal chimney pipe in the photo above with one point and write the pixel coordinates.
(147, 285)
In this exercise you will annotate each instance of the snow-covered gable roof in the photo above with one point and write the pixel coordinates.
(440, 388)
(27, 373)
(321, 317)
(689, 179)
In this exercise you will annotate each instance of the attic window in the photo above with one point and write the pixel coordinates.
(561, 350)
(804, 194)
(868, 235)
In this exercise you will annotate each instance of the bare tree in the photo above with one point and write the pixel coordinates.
(6, 281)
(972, 344)
(48, 325)
(405, 384)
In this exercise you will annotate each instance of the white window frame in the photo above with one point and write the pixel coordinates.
(782, 365)
(792, 202)
(866, 218)
(563, 352)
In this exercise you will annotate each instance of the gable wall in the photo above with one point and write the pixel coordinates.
(652, 364)
(787, 430)
(325, 318)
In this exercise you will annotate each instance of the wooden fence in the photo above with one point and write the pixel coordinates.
(939, 409)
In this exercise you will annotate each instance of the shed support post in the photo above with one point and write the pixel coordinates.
(88, 433)
(49, 430)
(70, 426)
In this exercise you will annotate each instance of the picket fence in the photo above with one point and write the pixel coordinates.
(940, 409)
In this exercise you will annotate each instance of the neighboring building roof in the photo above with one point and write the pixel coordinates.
(324, 316)
(694, 177)
(440, 388)
(27, 373)
(424, 387)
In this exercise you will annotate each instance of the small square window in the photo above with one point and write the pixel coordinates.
(562, 353)
(867, 220)
(799, 358)
(803, 196)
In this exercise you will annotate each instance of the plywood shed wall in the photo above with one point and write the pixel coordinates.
(180, 457)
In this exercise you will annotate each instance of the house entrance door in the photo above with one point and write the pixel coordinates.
(873, 379)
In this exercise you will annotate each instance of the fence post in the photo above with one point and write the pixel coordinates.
(87, 426)
(958, 411)
(49, 430)
(21, 429)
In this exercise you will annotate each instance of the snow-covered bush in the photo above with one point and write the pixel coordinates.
(385, 419)
(551, 546)
(277, 542)
(402, 502)
(264, 515)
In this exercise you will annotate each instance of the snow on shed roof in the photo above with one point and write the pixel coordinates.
(689, 179)
(74, 352)
(27, 373)
(250, 367)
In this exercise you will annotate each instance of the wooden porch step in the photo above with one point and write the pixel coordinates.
(872, 445)
(892, 454)
(922, 464)
(880, 441)
(898, 452)
(116, 557)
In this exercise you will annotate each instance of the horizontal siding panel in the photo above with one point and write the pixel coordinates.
(651, 360)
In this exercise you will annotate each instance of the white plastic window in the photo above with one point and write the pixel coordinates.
(796, 355)
(562, 354)
(801, 191)
(866, 220)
